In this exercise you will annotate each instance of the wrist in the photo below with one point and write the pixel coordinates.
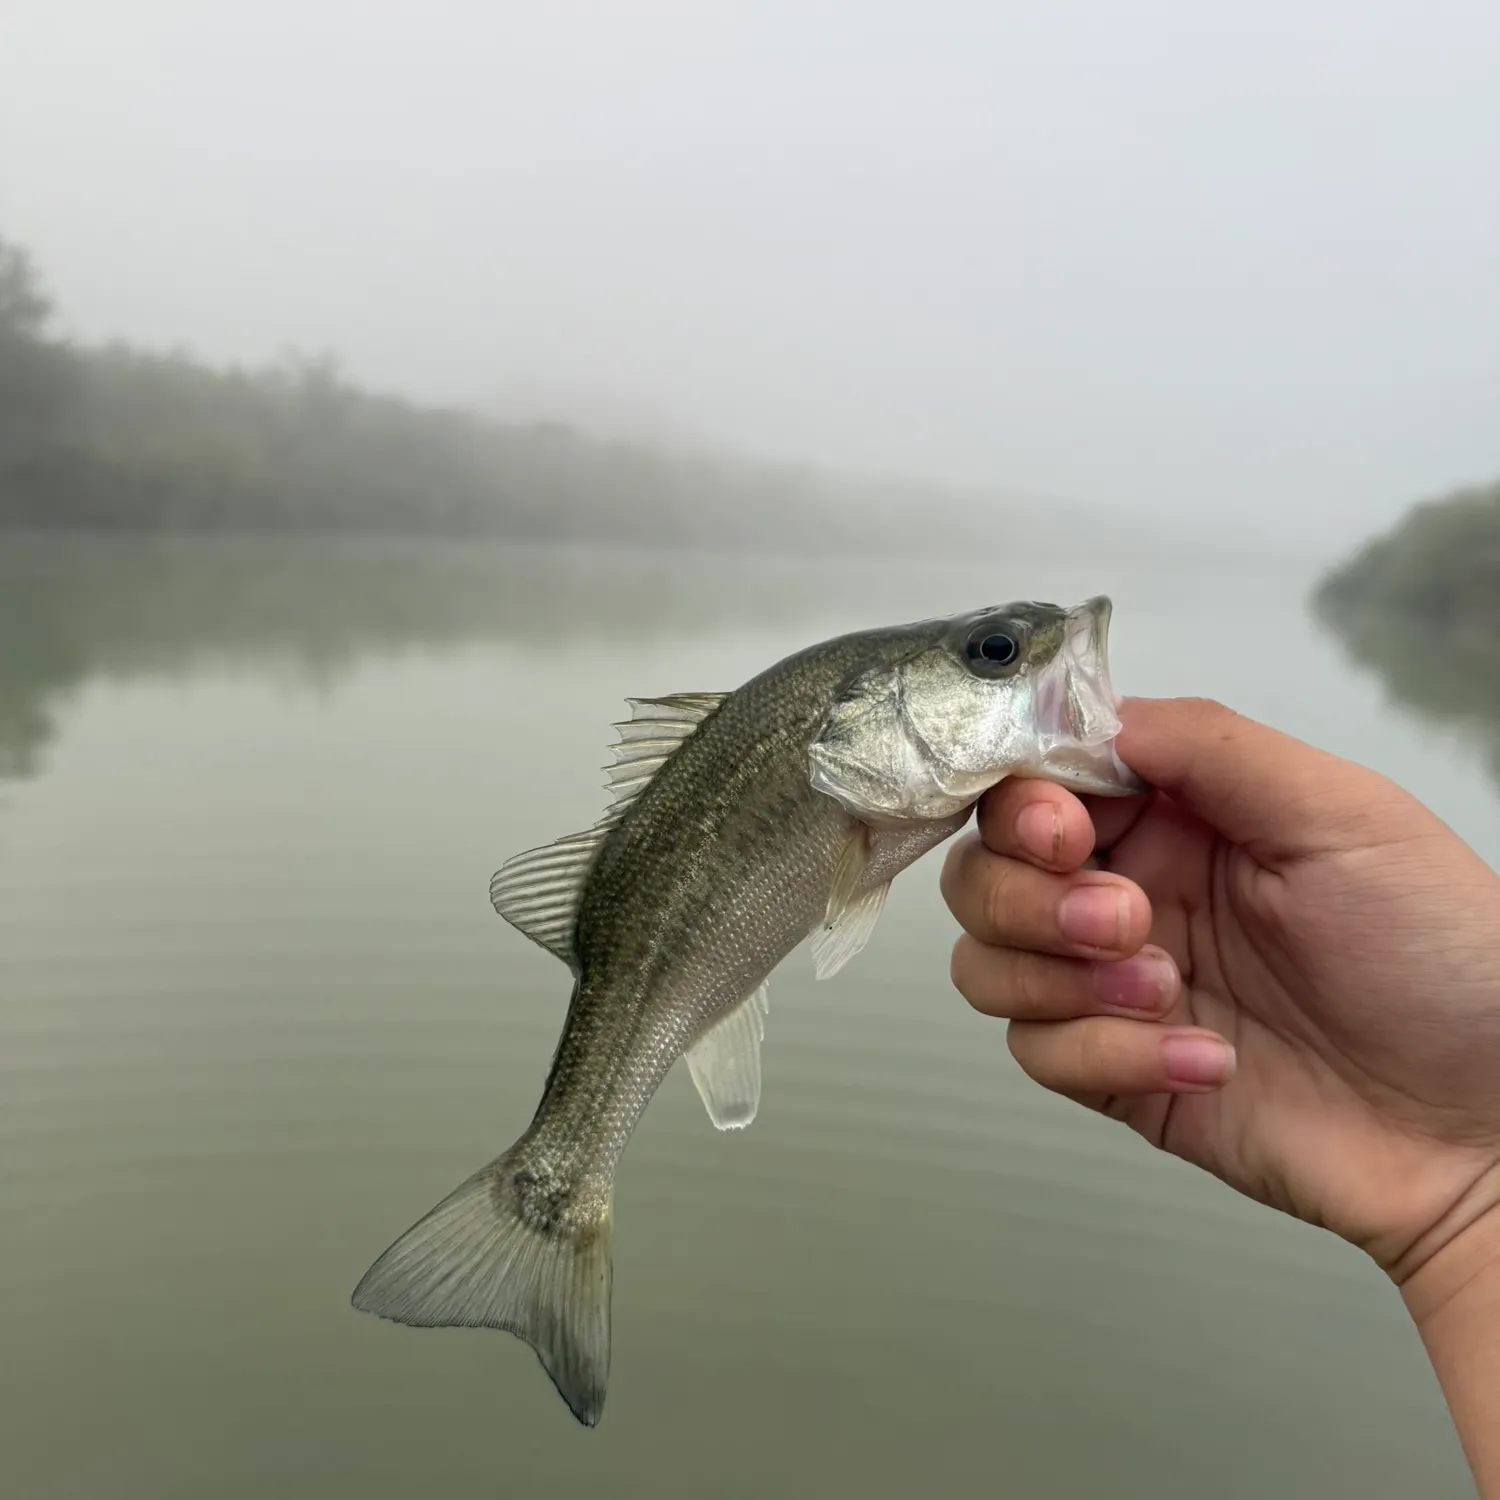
(1454, 1300)
(1458, 1276)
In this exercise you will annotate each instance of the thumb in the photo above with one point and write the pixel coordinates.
(1276, 795)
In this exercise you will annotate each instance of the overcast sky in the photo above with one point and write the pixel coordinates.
(1239, 259)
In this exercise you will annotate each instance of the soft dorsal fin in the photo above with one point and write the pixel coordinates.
(539, 892)
(725, 1063)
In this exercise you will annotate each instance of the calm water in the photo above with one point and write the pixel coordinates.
(256, 1015)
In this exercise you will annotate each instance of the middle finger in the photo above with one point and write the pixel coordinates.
(1088, 914)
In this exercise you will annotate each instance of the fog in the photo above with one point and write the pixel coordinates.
(1234, 264)
(669, 340)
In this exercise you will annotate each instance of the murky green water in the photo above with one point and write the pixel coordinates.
(256, 1014)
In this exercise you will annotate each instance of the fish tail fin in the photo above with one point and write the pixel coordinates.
(507, 1250)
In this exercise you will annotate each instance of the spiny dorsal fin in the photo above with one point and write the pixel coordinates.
(692, 708)
(539, 892)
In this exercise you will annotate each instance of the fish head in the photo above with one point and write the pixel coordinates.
(1017, 689)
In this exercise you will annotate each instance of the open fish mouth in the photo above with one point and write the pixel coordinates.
(1076, 718)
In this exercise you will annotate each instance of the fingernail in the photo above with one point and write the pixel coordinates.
(1093, 916)
(1039, 831)
(1142, 983)
(1201, 1060)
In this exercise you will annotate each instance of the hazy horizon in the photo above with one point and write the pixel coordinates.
(1240, 269)
(909, 310)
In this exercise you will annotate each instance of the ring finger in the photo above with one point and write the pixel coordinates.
(1024, 986)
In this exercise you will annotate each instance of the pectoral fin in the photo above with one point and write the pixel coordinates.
(854, 906)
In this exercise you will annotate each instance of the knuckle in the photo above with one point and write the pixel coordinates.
(1002, 798)
(956, 966)
(1210, 723)
(963, 969)
(1209, 711)
(1009, 982)
(999, 896)
(1029, 987)
(1019, 1037)
(951, 880)
(996, 817)
(1213, 722)
(1092, 1056)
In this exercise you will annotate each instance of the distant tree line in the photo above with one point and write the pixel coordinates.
(1439, 565)
(1420, 605)
(115, 437)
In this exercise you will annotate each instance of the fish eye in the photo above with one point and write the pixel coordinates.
(991, 650)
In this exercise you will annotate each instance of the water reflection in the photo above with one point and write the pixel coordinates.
(1448, 678)
(256, 1010)
(77, 607)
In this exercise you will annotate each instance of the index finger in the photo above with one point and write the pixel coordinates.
(1039, 822)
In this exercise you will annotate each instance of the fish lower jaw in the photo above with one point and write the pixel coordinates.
(1096, 770)
(919, 812)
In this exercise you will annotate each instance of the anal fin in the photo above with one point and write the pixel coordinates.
(725, 1063)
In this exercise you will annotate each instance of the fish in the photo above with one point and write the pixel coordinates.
(744, 823)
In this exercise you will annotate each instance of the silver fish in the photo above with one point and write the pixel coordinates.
(744, 823)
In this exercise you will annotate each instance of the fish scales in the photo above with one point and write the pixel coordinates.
(746, 822)
(710, 880)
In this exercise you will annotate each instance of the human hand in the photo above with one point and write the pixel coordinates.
(1277, 965)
